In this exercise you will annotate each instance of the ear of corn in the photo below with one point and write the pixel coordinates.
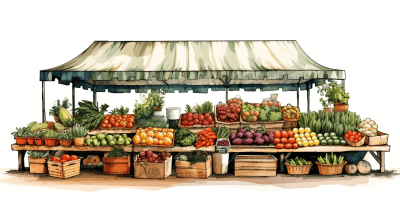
(39, 126)
(59, 126)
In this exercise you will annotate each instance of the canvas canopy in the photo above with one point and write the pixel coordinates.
(120, 66)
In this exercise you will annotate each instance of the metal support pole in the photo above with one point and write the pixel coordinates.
(308, 98)
(298, 96)
(73, 99)
(43, 104)
(226, 94)
(94, 96)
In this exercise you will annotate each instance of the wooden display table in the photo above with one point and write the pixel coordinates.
(23, 148)
(379, 157)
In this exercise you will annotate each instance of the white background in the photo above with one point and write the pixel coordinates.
(360, 37)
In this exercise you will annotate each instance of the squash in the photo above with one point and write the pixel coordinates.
(64, 115)
(31, 124)
(39, 126)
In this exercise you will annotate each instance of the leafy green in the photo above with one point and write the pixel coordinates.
(196, 158)
(36, 154)
(55, 110)
(66, 135)
(50, 134)
(275, 116)
(21, 132)
(117, 152)
(334, 92)
(222, 132)
(184, 137)
(146, 106)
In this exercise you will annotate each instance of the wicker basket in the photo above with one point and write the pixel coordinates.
(358, 144)
(330, 169)
(298, 170)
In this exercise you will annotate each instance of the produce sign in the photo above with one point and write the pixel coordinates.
(206, 138)
(103, 139)
(153, 157)
(154, 137)
(228, 113)
(112, 121)
(64, 158)
(285, 139)
(245, 136)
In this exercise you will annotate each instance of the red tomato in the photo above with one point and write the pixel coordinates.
(130, 120)
(74, 157)
(284, 140)
(359, 138)
(184, 118)
(107, 118)
(359, 134)
(351, 138)
(284, 134)
(124, 119)
(189, 119)
(112, 123)
(122, 124)
(290, 133)
(65, 157)
(105, 122)
(354, 133)
(277, 141)
(349, 132)
(209, 118)
(211, 122)
(280, 146)
(190, 123)
(346, 135)
(277, 134)
(129, 125)
(195, 121)
(196, 116)
(355, 141)
(189, 114)
(130, 115)
(291, 140)
(108, 125)
(201, 117)
(206, 115)
(103, 125)
(111, 119)
(124, 116)
(116, 124)
(55, 158)
(118, 115)
(185, 123)
(295, 145)
(288, 145)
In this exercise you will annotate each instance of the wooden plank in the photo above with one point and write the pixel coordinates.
(21, 160)
(139, 148)
(187, 165)
(382, 161)
(331, 148)
(254, 165)
(255, 173)
(127, 148)
(281, 161)
(265, 157)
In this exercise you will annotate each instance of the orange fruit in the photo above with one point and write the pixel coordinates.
(159, 136)
(155, 141)
(150, 134)
(171, 130)
(143, 141)
(155, 129)
(167, 141)
(164, 133)
(161, 142)
(170, 135)
(143, 135)
(149, 140)
(165, 129)
(136, 139)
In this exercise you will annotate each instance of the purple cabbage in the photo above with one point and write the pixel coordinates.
(232, 136)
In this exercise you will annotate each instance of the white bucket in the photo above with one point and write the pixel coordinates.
(173, 113)
(220, 163)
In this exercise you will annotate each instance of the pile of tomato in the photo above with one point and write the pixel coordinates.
(353, 136)
(111, 120)
(285, 139)
(64, 158)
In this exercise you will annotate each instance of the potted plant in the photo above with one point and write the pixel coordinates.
(38, 161)
(79, 132)
(20, 136)
(147, 105)
(51, 138)
(66, 138)
(117, 162)
(335, 94)
(38, 137)
(29, 137)
(55, 110)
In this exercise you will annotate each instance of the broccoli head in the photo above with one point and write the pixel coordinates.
(263, 116)
(275, 116)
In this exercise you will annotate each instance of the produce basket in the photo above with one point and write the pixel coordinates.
(116, 165)
(197, 125)
(66, 169)
(157, 145)
(230, 125)
(21, 141)
(269, 125)
(197, 170)
(289, 125)
(220, 148)
(358, 144)
(52, 141)
(298, 170)
(37, 165)
(146, 170)
(380, 139)
(330, 169)
(120, 128)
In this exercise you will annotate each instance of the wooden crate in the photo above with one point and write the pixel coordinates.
(289, 125)
(380, 139)
(169, 146)
(120, 128)
(116, 165)
(197, 170)
(233, 126)
(64, 170)
(255, 165)
(201, 126)
(145, 170)
(269, 125)
(37, 165)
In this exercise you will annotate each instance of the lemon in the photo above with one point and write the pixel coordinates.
(300, 143)
(313, 134)
(298, 140)
(302, 136)
(316, 142)
(309, 138)
(295, 131)
(305, 143)
(307, 130)
(307, 135)
(304, 139)
(314, 138)
(301, 130)
(296, 136)
(311, 143)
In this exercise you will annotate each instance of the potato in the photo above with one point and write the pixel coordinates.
(375, 126)
(374, 131)
(371, 122)
(366, 126)
(367, 120)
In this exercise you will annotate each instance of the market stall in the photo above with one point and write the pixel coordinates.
(237, 126)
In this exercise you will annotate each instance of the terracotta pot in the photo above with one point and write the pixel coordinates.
(21, 141)
(341, 107)
(52, 141)
(79, 141)
(57, 119)
(30, 140)
(39, 141)
(66, 143)
(328, 109)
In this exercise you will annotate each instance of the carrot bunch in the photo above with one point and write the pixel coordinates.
(206, 138)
